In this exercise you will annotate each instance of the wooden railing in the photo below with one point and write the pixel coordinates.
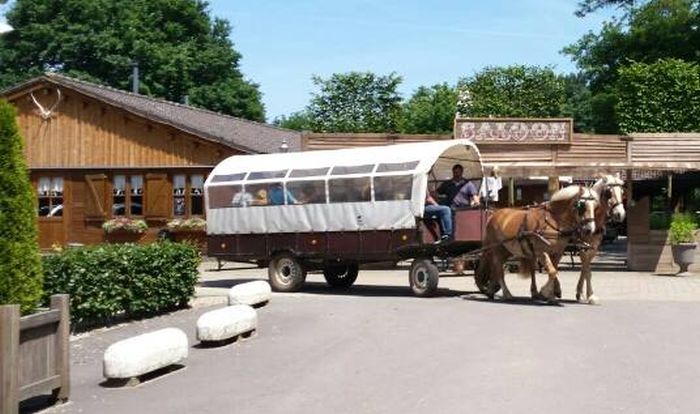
(34, 354)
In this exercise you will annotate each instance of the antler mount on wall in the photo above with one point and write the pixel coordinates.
(44, 113)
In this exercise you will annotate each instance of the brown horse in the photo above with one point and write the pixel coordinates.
(609, 190)
(534, 234)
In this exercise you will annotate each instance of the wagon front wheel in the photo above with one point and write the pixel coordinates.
(423, 277)
(286, 273)
(341, 276)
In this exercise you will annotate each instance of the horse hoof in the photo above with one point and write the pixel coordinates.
(578, 297)
(593, 300)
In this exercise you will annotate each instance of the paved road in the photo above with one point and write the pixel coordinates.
(377, 349)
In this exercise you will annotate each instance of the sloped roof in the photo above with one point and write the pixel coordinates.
(240, 134)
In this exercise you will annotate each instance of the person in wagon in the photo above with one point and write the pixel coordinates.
(242, 199)
(440, 212)
(449, 189)
(467, 196)
(278, 194)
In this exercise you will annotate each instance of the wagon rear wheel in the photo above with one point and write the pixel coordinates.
(423, 277)
(341, 276)
(286, 273)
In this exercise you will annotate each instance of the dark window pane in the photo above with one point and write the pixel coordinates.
(354, 169)
(348, 190)
(262, 175)
(396, 187)
(397, 166)
(227, 177)
(44, 206)
(118, 205)
(136, 205)
(56, 207)
(311, 172)
(308, 192)
(197, 205)
(179, 206)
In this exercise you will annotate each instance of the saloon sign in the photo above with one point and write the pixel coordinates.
(515, 131)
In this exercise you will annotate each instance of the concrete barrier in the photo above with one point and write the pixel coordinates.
(138, 355)
(250, 293)
(226, 323)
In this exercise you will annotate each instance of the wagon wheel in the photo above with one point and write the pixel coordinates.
(286, 273)
(423, 277)
(341, 276)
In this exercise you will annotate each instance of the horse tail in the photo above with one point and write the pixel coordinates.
(526, 267)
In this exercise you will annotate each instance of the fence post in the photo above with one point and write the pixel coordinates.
(62, 304)
(9, 349)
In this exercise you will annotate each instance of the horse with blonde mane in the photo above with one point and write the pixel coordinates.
(532, 235)
(609, 190)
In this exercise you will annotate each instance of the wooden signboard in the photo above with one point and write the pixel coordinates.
(515, 130)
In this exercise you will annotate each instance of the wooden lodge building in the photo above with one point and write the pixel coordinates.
(96, 153)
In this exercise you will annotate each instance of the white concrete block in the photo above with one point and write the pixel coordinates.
(250, 293)
(225, 323)
(145, 353)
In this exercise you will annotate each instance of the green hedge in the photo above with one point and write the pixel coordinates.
(124, 280)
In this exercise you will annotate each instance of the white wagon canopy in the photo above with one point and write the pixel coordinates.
(370, 188)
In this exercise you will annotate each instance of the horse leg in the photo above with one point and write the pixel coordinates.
(548, 290)
(586, 273)
(581, 278)
(502, 280)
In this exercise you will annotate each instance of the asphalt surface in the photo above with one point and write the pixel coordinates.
(378, 349)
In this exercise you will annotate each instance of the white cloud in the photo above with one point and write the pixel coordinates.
(4, 27)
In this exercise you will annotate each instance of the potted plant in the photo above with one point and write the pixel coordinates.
(682, 238)
(124, 229)
(193, 230)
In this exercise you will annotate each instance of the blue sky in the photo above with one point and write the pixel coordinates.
(285, 42)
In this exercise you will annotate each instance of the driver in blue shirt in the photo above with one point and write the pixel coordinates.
(278, 194)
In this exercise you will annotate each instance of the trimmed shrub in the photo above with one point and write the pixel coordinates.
(123, 280)
(20, 265)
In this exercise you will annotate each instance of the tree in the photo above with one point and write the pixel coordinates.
(20, 266)
(658, 97)
(511, 91)
(589, 6)
(355, 102)
(431, 110)
(298, 121)
(180, 49)
(578, 102)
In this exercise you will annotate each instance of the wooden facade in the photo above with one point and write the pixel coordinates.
(91, 161)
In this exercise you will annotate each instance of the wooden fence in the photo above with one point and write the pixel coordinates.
(34, 354)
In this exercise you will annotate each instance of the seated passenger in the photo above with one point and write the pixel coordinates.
(449, 189)
(442, 213)
(278, 195)
(467, 196)
(242, 199)
(260, 198)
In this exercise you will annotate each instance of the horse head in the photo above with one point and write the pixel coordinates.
(610, 189)
(584, 202)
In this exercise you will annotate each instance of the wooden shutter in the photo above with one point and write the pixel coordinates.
(157, 196)
(96, 196)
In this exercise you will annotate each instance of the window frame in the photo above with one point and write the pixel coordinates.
(51, 198)
(187, 194)
(127, 194)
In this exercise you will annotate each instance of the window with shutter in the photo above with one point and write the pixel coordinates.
(158, 196)
(96, 196)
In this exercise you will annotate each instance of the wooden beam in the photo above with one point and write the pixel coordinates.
(9, 355)
(61, 303)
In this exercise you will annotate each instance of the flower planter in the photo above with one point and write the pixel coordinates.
(197, 237)
(684, 256)
(123, 236)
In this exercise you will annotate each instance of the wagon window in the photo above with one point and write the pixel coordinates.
(220, 178)
(354, 169)
(396, 187)
(308, 192)
(347, 190)
(223, 196)
(262, 175)
(397, 166)
(311, 172)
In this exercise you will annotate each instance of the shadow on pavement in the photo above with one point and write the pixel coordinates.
(225, 283)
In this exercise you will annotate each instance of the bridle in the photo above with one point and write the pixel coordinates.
(607, 193)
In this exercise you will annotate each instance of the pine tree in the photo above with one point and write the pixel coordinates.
(20, 265)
